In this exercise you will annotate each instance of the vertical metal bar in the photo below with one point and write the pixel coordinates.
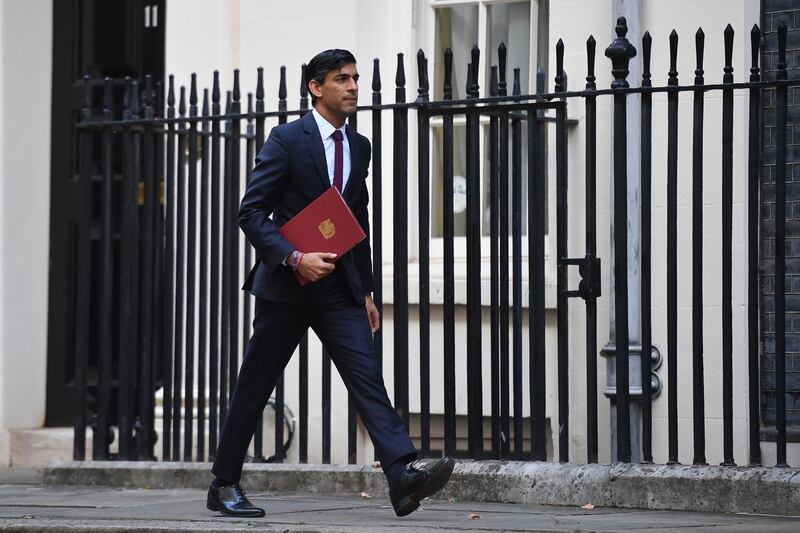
(536, 252)
(504, 270)
(400, 246)
(698, 388)
(146, 171)
(620, 52)
(202, 343)
(303, 363)
(474, 370)
(233, 250)
(646, 133)
(591, 253)
(516, 263)
(84, 273)
(225, 331)
(753, 223)
(214, 271)
(326, 406)
(494, 271)
(169, 282)
(423, 201)
(727, 254)
(180, 252)
(279, 455)
(157, 199)
(449, 272)
(191, 265)
(352, 413)
(672, 253)
(252, 146)
(101, 440)
(377, 207)
(126, 354)
(561, 254)
(780, 248)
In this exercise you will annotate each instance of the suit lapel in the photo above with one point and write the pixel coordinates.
(355, 169)
(314, 143)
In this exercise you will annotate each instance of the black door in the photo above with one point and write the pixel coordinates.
(100, 38)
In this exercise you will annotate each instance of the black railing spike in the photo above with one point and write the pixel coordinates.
(135, 109)
(205, 102)
(249, 104)
(303, 84)
(108, 96)
(126, 97)
(86, 103)
(729, 52)
(422, 73)
(193, 90)
(149, 97)
(228, 102)
(181, 101)
(215, 88)
(517, 87)
(541, 80)
(400, 76)
(559, 66)
(447, 88)
(260, 84)
(468, 85)
(673, 56)
(501, 62)
(755, 44)
(620, 52)
(782, 46)
(475, 54)
(493, 81)
(591, 46)
(237, 93)
(647, 47)
(700, 45)
(376, 75)
(282, 84)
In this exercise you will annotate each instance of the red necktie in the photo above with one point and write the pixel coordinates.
(337, 159)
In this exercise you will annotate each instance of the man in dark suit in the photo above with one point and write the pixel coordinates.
(299, 161)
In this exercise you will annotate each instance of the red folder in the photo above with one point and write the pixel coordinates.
(325, 225)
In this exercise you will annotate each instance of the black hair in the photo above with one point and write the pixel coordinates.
(324, 62)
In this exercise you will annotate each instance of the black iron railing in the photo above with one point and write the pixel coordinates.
(179, 273)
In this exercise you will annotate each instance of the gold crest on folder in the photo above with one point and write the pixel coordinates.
(327, 228)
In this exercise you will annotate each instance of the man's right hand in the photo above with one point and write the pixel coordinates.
(316, 265)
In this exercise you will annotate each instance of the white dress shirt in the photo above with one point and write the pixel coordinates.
(326, 130)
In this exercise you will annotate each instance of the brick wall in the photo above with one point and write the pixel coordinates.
(776, 11)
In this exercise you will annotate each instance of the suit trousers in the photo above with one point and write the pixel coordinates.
(343, 327)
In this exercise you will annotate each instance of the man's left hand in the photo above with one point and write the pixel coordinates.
(372, 313)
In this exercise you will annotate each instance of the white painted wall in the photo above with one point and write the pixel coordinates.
(25, 89)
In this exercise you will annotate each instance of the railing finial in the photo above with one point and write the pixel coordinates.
(260, 84)
(647, 46)
(422, 74)
(493, 82)
(620, 52)
(559, 66)
(591, 45)
(475, 55)
(501, 60)
(448, 74)
(755, 44)
(728, 76)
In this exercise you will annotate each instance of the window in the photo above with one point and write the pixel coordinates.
(460, 24)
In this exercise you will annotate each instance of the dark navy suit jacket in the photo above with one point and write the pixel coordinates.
(290, 172)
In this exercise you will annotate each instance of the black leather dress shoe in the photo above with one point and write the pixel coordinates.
(416, 484)
(231, 500)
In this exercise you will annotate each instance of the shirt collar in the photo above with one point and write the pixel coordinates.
(326, 129)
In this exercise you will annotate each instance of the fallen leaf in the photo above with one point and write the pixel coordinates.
(588, 506)
(474, 516)
(366, 496)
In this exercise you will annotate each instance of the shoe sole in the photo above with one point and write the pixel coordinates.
(212, 506)
(440, 475)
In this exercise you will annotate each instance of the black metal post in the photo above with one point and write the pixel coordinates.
(424, 201)
(672, 253)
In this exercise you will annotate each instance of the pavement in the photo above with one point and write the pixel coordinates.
(29, 505)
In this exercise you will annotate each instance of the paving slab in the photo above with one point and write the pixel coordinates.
(34, 507)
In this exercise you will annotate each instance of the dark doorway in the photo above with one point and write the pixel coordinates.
(102, 39)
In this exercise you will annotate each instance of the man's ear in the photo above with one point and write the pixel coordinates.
(314, 88)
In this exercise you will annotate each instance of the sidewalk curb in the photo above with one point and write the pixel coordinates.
(670, 487)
